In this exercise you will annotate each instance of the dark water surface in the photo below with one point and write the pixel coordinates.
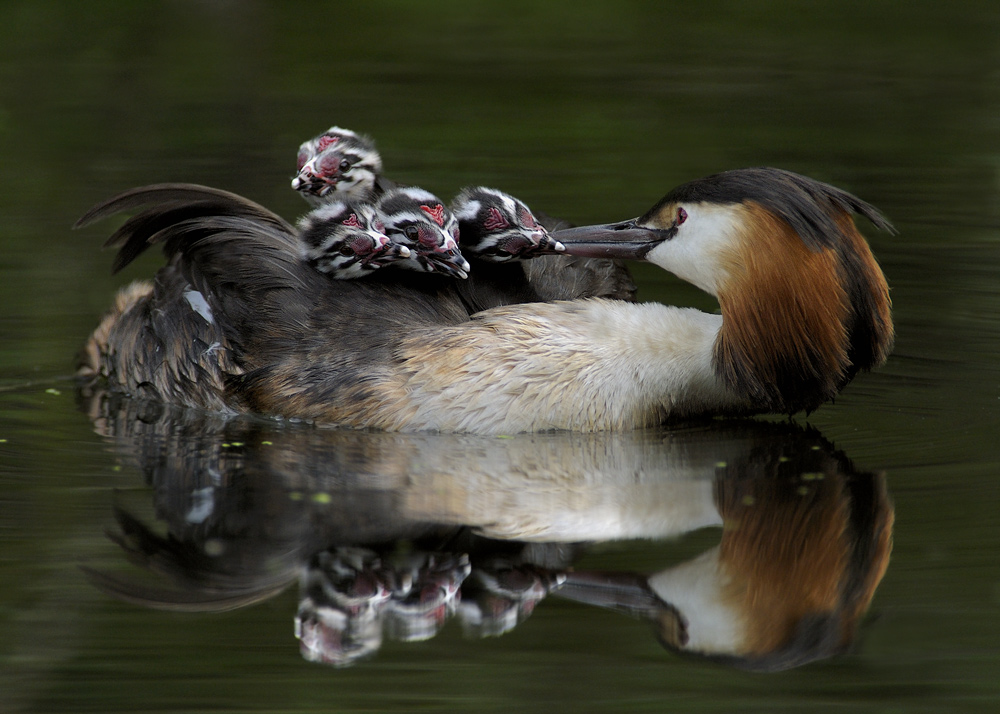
(590, 111)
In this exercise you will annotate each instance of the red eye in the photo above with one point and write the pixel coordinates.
(682, 216)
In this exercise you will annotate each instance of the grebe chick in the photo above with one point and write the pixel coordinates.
(499, 233)
(496, 227)
(417, 219)
(347, 241)
(338, 164)
(804, 308)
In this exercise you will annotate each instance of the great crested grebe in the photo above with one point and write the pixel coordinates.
(498, 233)
(237, 321)
(417, 219)
(497, 228)
(339, 163)
(346, 240)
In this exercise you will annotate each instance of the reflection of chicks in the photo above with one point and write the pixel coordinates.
(351, 596)
(502, 594)
(426, 592)
(343, 596)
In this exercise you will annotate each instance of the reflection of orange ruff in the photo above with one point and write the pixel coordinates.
(794, 558)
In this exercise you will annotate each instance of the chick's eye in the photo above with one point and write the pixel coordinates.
(681, 216)
(345, 166)
(411, 232)
(346, 249)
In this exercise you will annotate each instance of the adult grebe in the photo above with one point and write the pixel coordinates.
(237, 321)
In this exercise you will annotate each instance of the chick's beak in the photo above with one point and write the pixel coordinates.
(546, 243)
(311, 180)
(449, 262)
(624, 240)
(386, 252)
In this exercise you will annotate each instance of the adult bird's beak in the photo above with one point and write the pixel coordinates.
(624, 240)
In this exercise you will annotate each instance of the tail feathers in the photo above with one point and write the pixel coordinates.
(172, 207)
(234, 283)
(172, 192)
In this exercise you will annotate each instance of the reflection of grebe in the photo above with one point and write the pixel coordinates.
(382, 529)
(236, 321)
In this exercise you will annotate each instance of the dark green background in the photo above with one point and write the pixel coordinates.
(589, 111)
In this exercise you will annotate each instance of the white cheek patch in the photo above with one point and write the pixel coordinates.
(697, 253)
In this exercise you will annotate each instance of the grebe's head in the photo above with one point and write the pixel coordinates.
(805, 303)
(338, 164)
(347, 240)
(497, 227)
(419, 220)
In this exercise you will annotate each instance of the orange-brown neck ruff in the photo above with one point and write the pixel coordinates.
(799, 323)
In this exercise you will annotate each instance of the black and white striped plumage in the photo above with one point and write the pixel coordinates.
(338, 164)
(496, 227)
(346, 240)
(419, 220)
